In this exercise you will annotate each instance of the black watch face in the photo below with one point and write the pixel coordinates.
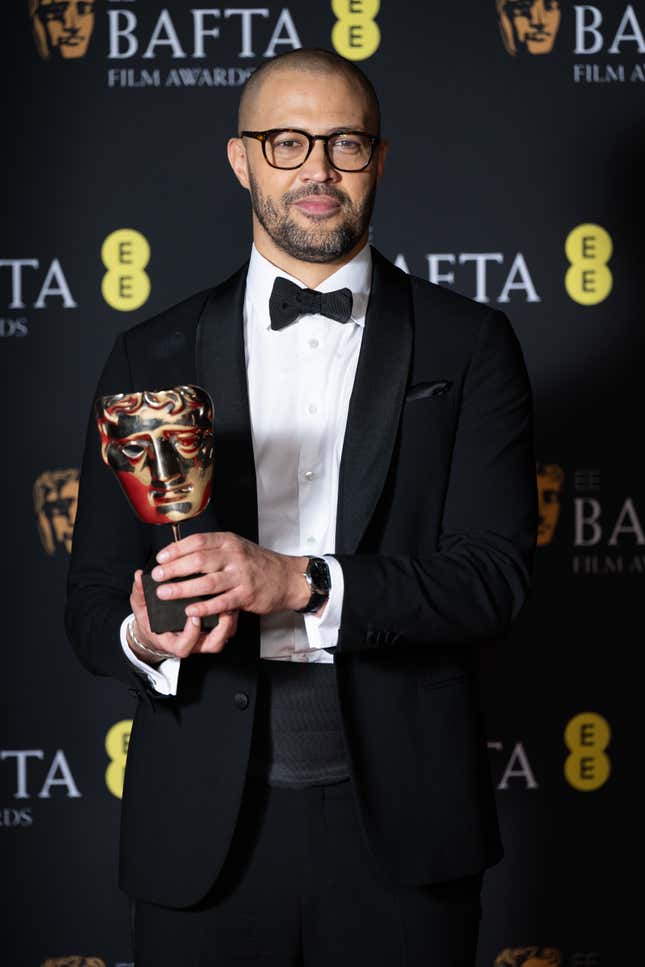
(319, 572)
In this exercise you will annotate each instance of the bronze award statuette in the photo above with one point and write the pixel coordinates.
(160, 445)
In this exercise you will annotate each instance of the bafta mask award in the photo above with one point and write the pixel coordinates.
(160, 446)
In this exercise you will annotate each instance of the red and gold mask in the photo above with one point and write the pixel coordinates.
(160, 445)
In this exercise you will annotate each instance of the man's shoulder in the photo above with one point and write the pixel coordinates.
(432, 295)
(180, 319)
(428, 297)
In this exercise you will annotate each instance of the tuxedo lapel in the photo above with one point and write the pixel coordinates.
(376, 401)
(221, 370)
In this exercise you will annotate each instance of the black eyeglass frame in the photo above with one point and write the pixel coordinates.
(263, 136)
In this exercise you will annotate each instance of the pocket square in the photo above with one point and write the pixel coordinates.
(420, 390)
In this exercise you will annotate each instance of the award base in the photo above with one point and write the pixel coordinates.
(171, 615)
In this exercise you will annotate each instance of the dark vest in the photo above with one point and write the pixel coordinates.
(297, 735)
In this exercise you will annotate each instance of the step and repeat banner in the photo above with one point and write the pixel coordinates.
(515, 176)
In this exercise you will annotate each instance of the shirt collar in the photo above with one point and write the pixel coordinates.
(355, 275)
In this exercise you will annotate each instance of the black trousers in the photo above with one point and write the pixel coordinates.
(300, 889)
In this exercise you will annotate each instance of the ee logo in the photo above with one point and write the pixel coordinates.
(125, 254)
(587, 767)
(355, 35)
(116, 746)
(588, 248)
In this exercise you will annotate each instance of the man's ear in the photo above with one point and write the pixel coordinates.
(237, 159)
(382, 150)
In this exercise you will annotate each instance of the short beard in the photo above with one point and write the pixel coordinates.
(312, 245)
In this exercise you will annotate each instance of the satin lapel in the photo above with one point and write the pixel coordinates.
(221, 369)
(376, 401)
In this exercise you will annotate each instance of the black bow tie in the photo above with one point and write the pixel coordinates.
(288, 301)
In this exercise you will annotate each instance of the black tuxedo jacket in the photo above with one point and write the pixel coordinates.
(435, 534)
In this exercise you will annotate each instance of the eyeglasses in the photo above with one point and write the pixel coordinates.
(288, 148)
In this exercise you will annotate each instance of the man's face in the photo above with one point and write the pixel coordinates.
(313, 213)
(67, 24)
(530, 25)
(160, 446)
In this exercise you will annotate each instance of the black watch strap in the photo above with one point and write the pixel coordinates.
(318, 578)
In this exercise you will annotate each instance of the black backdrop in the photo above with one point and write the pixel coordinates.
(495, 159)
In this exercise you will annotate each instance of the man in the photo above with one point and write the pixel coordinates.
(372, 522)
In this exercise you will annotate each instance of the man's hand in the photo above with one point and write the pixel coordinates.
(191, 640)
(241, 575)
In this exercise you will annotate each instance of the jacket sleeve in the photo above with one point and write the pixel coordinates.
(474, 584)
(109, 544)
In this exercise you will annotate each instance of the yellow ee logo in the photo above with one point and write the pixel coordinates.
(355, 35)
(116, 746)
(125, 254)
(587, 767)
(588, 248)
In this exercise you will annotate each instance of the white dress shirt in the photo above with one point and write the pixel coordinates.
(300, 381)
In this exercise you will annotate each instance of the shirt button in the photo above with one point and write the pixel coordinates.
(309, 475)
(241, 700)
(312, 408)
(313, 343)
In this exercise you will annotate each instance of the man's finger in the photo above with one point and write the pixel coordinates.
(188, 545)
(205, 584)
(199, 562)
(227, 601)
(217, 639)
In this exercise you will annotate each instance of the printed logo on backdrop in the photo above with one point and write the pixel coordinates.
(608, 533)
(550, 480)
(125, 253)
(529, 957)
(62, 28)
(29, 774)
(610, 33)
(30, 284)
(356, 35)
(528, 26)
(78, 961)
(503, 278)
(73, 961)
(174, 46)
(588, 248)
(587, 767)
(535, 956)
(117, 741)
(483, 276)
(55, 501)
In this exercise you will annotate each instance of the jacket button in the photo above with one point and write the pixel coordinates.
(241, 700)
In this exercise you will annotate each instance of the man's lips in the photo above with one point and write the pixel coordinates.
(318, 205)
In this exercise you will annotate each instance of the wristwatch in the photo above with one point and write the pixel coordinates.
(318, 578)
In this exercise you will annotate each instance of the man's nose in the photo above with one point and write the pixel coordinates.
(166, 463)
(317, 167)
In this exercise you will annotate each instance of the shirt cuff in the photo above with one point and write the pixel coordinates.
(164, 677)
(322, 632)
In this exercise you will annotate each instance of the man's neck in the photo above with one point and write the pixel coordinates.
(310, 274)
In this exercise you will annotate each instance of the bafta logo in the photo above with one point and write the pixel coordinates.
(528, 26)
(62, 28)
(529, 957)
(55, 500)
(73, 961)
(550, 478)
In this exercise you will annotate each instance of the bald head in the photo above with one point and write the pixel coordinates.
(307, 60)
